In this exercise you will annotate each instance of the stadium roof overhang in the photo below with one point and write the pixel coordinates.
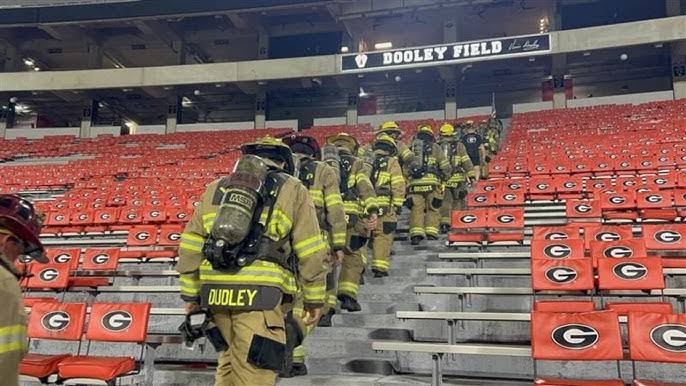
(561, 42)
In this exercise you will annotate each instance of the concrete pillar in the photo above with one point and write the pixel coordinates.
(86, 121)
(672, 8)
(261, 109)
(450, 100)
(95, 55)
(3, 128)
(557, 72)
(351, 109)
(263, 45)
(172, 116)
(679, 70)
(13, 60)
(179, 48)
(559, 98)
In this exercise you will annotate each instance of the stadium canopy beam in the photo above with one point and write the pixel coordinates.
(585, 39)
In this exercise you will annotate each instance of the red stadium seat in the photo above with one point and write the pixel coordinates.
(142, 235)
(170, 234)
(55, 321)
(664, 236)
(49, 276)
(556, 233)
(109, 322)
(97, 259)
(630, 274)
(657, 337)
(626, 307)
(564, 306)
(573, 382)
(469, 219)
(650, 383)
(583, 209)
(557, 249)
(565, 275)
(594, 336)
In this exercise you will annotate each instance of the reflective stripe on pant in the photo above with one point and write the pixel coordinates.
(451, 202)
(351, 270)
(298, 314)
(424, 216)
(238, 329)
(383, 242)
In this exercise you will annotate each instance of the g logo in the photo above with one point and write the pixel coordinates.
(583, 208)
(607, 236)
(489, 188)
(55, 321)
(630, 271)
(505, 219)
(154, 214)
(669, 337)
(660, 181)
(131, 216)
(105, 216)
(542, 186)
(468, 218)
(63, 258)
(509, 197)
(557, 251)
(514, 186)
(100, 258)
(142, 236)
(667, 237)
(617, 200)
(569, 185)
(575, 336)
(116, 321)
(561, 275)
(174, 236)
(618, 252)
(556, 236)
(181, 215)
(59, 217)
(48, 274)
(653, 198)
(480, 198)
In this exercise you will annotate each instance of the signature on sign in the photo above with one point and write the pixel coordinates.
(527, 45)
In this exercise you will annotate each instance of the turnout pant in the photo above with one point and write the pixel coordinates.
(353, 264)
(424, 216)
(451, 202)
(383, 241)
(256, 350)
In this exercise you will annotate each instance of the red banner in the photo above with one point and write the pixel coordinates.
(657, 337)
(581, 336)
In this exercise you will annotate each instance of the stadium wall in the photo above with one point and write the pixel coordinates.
(635, 99)
(99, 130)
(37, 133)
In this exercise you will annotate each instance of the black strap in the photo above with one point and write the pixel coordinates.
(306, 172)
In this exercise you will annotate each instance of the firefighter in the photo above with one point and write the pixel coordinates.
(391, 128)
(359, 201)
(425, 188)
(19, 229)
(491, 138)
(462, 173)
(476, 150)
(389, 183)
(252, 241)
(322, 182)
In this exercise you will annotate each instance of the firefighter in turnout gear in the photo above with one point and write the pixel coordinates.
(476, 150)
(322, 182)
(250, 244)
(491, 136)
(389, 184)
(390, 128)
(359, 201)
(462, 172)
(19, 229)
(426, 185)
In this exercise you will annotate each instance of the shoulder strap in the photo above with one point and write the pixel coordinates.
(307, 171)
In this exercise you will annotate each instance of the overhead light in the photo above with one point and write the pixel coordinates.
(116, 65)
(532, 59)
(587, 53)
(362, 94)
(130, 124)
(658, 45)
(185, 102)
(218, 85)
(383, 46)
(345, 49)
(127, 89)
(196, 92)
(36, 69)
(29, 62)
(167, 87)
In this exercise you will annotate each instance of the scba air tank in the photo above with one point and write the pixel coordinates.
(241, 198)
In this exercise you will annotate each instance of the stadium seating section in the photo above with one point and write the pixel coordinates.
(591, 200)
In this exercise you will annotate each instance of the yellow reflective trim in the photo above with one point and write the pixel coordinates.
(210, 215)
(307, 242)
(190, 247)
(192, 237)
(312, 250)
